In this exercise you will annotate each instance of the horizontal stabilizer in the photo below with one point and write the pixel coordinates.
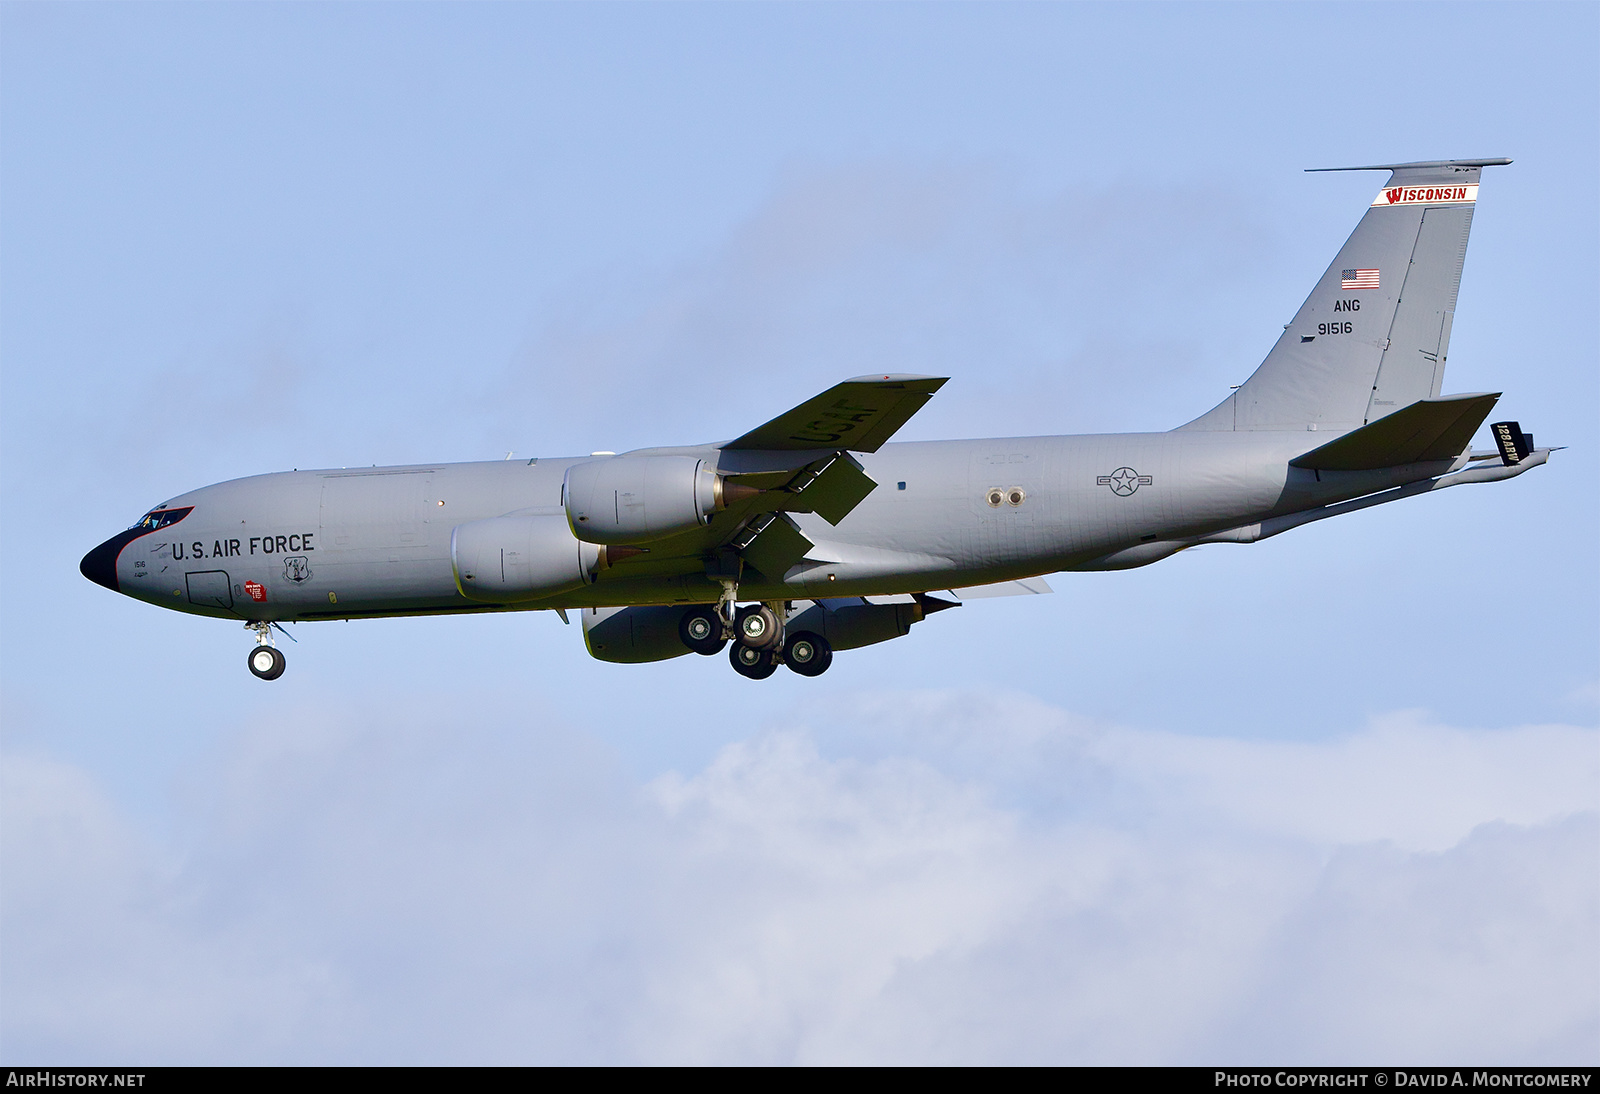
(858, 415)
(1429, 429)
(1419, 165)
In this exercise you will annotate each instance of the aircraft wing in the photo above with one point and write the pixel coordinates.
(858, 415)
(799, 462)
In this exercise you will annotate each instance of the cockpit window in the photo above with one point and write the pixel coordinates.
(160, 518)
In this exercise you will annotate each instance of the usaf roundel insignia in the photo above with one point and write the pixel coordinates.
(1123, 481)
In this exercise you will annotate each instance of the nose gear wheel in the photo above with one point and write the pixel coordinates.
(266, 662)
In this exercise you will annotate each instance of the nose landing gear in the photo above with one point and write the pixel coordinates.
(266, 661)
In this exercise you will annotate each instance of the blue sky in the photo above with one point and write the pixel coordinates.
(1296, 800)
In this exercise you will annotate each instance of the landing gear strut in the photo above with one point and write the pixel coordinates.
(266, 661)
(727, 607)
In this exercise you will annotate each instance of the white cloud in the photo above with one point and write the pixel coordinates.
(1451, 956)
(950, 877)
(109, 955)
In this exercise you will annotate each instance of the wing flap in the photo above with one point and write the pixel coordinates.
(1429, 429)
(832, 492)
(772, 544)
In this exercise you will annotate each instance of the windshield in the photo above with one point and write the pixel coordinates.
(160, 518)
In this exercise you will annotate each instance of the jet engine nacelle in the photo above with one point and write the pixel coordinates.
(631, 636)
(521, 556)
(852, 623)
(635, 499)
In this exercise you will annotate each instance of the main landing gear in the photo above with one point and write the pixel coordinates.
(701, 630)
(757, 627)
(808, 654)
(759, 644)
(266, 661)
(805, 653)
(751, 663)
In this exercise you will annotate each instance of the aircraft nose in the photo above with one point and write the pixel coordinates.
(100, 564)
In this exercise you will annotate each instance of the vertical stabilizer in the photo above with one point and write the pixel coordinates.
(1372, 336)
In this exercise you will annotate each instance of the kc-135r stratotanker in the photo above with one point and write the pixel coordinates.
(810, 534)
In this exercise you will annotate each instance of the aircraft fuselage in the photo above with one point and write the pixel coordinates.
(353, 542)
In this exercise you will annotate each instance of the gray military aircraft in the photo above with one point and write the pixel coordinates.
(811, 534)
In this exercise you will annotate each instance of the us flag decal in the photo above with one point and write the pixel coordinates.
(1358, 279)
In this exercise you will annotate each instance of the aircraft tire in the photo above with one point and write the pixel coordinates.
(807, 653)
(266, 662)
(752, 663)
(758, 627)
(701, 631)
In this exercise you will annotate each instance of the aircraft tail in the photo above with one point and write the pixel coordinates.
(1371, 338)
